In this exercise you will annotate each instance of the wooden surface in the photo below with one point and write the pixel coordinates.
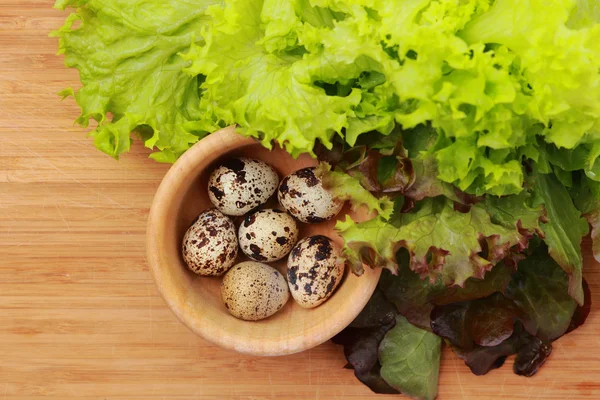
(79, 314)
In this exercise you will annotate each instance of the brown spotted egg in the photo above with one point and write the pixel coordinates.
(252, 291)
(314, 269)
(268, 235)
(239, 185)
(302, 194)
(210, 246)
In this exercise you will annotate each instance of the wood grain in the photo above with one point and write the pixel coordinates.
(80, 317)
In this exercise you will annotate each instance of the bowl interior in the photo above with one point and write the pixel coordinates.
(196, 300)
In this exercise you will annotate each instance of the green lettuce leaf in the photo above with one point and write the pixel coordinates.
(410, 360)
(127, 57)
(564, 231)
(551, 56)
(540, 289)
(272, 95)
(486, 81)
(348, 188)
(442, 243)
(587, 200)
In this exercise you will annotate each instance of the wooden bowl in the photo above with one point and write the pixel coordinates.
(196, 300)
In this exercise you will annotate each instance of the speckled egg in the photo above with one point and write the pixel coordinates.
(210, 246)
(239, 185)
(268, 235)
(302, 194)
(252, 291)
(314, 269)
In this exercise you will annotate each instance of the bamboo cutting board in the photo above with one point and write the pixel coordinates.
(80, 317)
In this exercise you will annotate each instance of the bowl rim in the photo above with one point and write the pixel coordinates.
(229, 140)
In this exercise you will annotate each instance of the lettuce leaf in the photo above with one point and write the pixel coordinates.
(127, 57)
(410, 360)
(443, 243)
(415, 298)
(347, 188)
(559, 64)
(271, 95)
(586, 196)
(540, 290)
(564, 230)
(488, 82)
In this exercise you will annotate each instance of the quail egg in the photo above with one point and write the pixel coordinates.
(252, 291)
(302, 194)
(239, 185)
(314, 269)
(268, 235)
(210, 246)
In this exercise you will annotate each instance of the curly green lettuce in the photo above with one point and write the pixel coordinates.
(127, 54)
(443, 243)
(490, 81)
(347, 188)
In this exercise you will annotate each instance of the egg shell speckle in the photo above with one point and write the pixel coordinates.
(252, 291)
(268, 235)
(302, 194)
(210, 246)
(315, 268)
(239, 185)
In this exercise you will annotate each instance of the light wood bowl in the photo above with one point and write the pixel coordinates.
(196, 300)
